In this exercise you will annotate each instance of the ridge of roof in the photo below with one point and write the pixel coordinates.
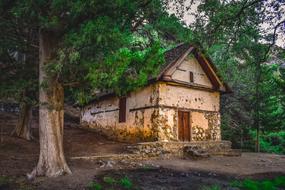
(172, 55)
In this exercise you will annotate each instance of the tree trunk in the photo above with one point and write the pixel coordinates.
(257, 148)
(257, 105)
(23, 127)
(51, 162)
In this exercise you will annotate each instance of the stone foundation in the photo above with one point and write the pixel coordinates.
(154, 149)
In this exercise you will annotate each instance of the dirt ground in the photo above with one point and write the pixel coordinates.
(18, 157)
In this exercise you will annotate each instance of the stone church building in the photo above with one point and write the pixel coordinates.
(181, 104)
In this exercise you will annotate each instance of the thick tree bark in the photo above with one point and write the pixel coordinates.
(51, 162)
(23, 127)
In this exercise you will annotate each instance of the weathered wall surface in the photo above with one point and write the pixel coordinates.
(182, 97)
(168, 128)
(203, 107)
(191, 64)
(140, 125)
(152, 114)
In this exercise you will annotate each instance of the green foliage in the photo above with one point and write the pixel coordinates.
(213, 187)
(126, 183)
(279, 181)
(173, 29)
(127, 69)
(248, 184)
(99, 44)
(280, 80)
(147, 167)
(4, 180)
(273, 142)
(95, 186)
(111, 183)
(109, 180)
(229, 33)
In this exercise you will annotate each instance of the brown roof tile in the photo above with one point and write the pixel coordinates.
(174, 54)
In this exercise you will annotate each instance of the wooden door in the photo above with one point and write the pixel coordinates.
(184, 130)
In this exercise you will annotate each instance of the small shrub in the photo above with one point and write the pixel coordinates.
(267, 185)
(126, 183)
(273, 142)
(213, 187)
(4, 181)
(95, 186)
(235, 183)
(25, 188)
(109, 180)
(248, 184)
(147, 167)
(279, 181)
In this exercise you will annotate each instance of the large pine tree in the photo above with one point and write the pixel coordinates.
(83, 46)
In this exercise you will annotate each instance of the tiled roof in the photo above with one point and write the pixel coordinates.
(174, 54)
(171, 57)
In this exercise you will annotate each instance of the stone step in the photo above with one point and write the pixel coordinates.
(194, 152)
(230, 152)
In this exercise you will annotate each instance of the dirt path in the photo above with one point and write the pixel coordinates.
(174, 174)
(249, 164)
(18, 157)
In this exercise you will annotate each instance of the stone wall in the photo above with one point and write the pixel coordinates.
(153, 149)
(205, 126)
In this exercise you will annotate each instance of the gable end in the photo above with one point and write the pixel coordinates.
(207, 70)
(177, 55)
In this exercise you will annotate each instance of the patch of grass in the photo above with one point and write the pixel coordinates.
(213, 187)
(110, 183)
(95, 186)
(14, 183)
(4, 180)
(279, 181)
(147, 167)
(25, 188)
(126, 183)
(248, 184)
(109, 180)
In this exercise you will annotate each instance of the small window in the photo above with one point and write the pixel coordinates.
(122, 109)
(191, 76)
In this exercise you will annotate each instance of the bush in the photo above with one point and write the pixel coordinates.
(110, 183)
(214, 187)
(94, 186)
(273, 142)
(248, 184)
(4, 181)
(109, 180)
(126, 183)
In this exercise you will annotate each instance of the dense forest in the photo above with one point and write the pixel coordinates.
(71, 49)
(242, 39)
